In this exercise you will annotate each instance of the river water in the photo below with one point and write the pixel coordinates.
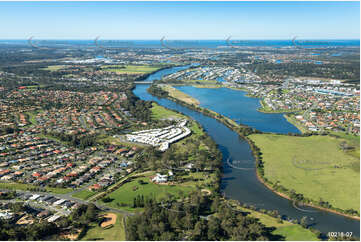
(243, 185)
(236, 105)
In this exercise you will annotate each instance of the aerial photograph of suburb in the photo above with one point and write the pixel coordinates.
(180, 120)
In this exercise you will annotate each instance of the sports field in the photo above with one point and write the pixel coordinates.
(315, 166)
(131, 69)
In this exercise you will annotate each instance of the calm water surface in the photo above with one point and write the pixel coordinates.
(243, 185)
(235, 105)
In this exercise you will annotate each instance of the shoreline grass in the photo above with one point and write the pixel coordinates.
(175, 93)
(314, 166)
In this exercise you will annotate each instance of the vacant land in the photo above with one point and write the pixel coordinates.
(314, 166)
(131, 69)
(123, 197)
(115, 233)
(85, 194)
(291, 119)
(159, 112)
(352, 140)
(29, 187)
(200, 82)
(180, 95)
(206, 85)
(54, 68)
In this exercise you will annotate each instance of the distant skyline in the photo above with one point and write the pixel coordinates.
(180, 20)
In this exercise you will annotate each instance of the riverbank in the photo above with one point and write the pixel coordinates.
(291, 119)
(173, 92)
(260, 178)
(237, 128)
(238, 102)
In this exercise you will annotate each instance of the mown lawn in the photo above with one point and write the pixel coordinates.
(115, 233)
(159, 112)
(315, 166)
(127, 192)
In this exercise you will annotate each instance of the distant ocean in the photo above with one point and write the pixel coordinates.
(178, 44)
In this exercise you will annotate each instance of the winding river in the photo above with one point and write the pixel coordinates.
(243, 185)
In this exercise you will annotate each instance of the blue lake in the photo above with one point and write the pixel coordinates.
(236, 105)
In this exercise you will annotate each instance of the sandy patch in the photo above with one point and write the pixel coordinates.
(111, 218)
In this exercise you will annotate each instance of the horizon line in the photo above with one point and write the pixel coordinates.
(181, 39)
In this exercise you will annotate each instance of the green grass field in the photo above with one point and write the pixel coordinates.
(290, 231)
(85, 194)
(131, 69)
(115, 233)
(295, 233)
(27, 187)
(315, 166)
(32, 116)
(159, 112)
(352, 140)
(175, 93)
(54, 68)
(125, 194)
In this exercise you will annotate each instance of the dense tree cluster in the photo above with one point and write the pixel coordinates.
(75, 140)
(139, 109)
(199, 218)
(157, 91)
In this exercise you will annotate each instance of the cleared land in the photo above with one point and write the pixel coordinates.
(54, 68)
(131, 69)
(115, 233)
(29, 187)
(315, 166)
(291, 119)
(200, 82)
(85, 194)
(159, 112)
(180, 95)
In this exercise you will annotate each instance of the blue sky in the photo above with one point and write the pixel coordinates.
(179, 20)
